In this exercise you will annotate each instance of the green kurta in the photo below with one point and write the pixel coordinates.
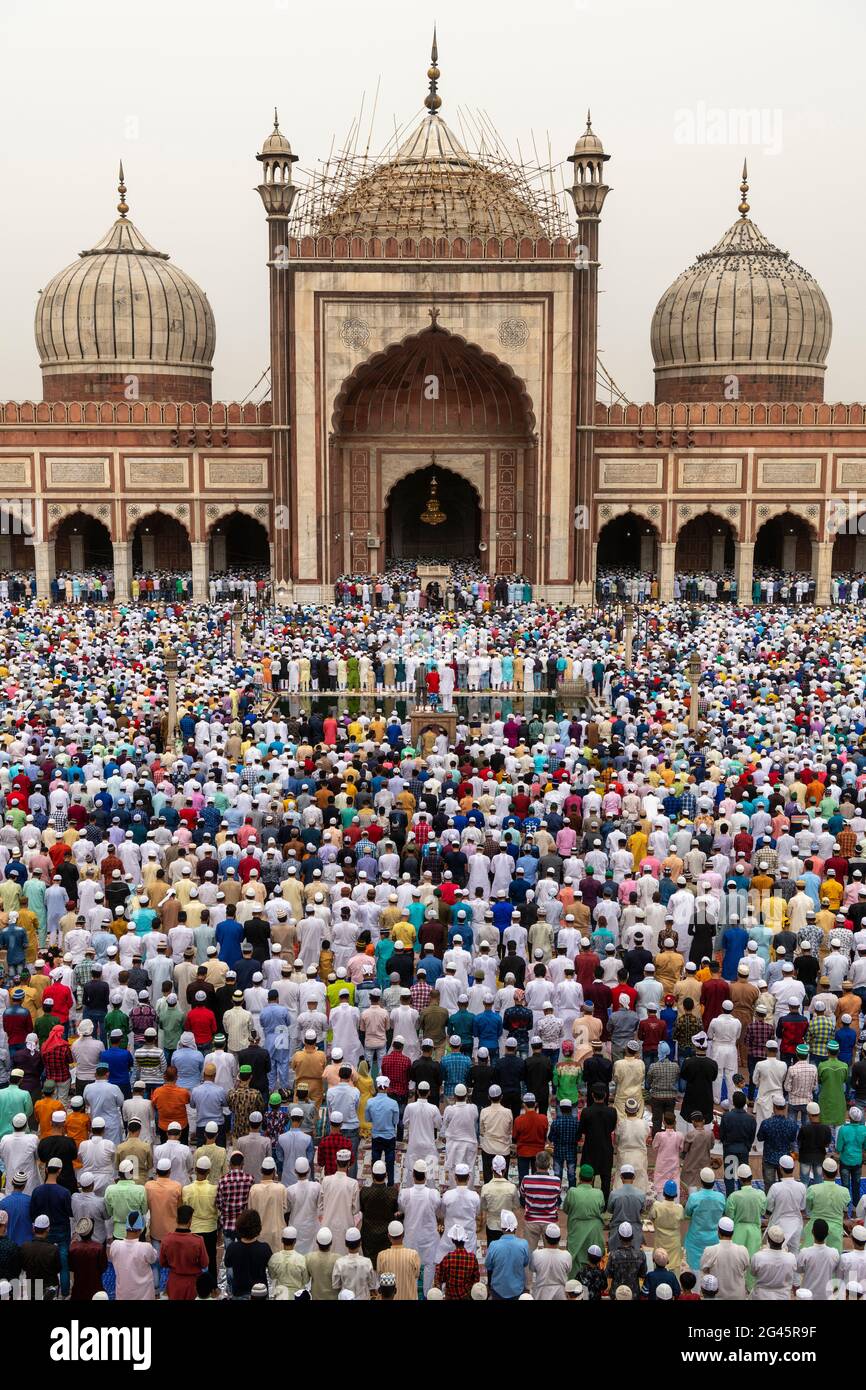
(828, 1200)
(746, 1208)
(584, 1207)
(832, 1077)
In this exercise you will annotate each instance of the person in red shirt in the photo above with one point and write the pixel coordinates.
(529, 1135)
(651, 1031)
(62, 998)
(185, 1257)
(714, 992)
(201, 1021)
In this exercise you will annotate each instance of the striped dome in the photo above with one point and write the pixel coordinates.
(122, 307)
(744, 307)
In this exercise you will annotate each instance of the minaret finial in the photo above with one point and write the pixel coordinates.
(276, 119)
(433, 101)
(744, 188)
(122, 206)
(588, 121)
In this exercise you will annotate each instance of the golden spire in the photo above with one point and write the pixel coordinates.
(744, 188)
(433, 514)
(122, 207)
(433, 101)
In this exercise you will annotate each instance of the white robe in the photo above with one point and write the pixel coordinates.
(302, 1204)
(420, 1207)
(460, 1132)
(786, 1205)
(344, 1030)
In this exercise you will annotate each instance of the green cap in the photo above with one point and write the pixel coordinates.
(587, 1172)
(833, 1046)
(275, 1098)
(802, 1050)
(245, 1071)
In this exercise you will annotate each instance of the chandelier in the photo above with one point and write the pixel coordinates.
(433, 514)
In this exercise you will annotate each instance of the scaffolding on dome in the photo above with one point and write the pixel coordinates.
(479, 190)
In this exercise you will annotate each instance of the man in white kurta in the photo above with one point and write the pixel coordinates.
(786, 1204)
(769, 1077)
(421, 1123)
(344, 1022)
(302, 1205)
(774, 1269)
(420, 1210)
(460, 1129)
(404, 1023)
(339, 1202)
(461, 1206)
(728, 1262)
(724, 1033)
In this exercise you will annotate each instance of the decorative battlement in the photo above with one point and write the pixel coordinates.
(356, 248)
(214, 415)
(729, 413)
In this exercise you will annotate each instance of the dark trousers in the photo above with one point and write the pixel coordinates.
(659, 1109)
(384, 1149)
(210, 1242)
(525, 1166)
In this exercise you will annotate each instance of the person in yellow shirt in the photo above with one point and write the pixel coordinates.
(30, 922)
(831, 889)
(201, 1196)
(402, 930)
(637, 844)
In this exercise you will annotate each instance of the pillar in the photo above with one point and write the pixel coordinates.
(789, 553)
(76, 553)
(5, 552)
(199, 571)
(822, 567)
(717, 554)
(171, 712)
(122, 568)
(667, 557)
(45, 565)
(859, 553)
(628, 635)
(148, 552)
(744, 564)
(647, 553)
(218, 541)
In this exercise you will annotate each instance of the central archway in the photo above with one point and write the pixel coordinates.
(436, 394)
(456, 538)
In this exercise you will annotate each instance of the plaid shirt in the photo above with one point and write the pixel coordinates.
(800, 1083)
(328, 1149)
(56, 1062)
(232, 1197)
(456, 1273)
(563, 1137)
(81, 975)
(757, 1033)
(688, 804)
(820, 1033)
(420, 995)
(396, 1066)
(662, 1079)
(455, 1068)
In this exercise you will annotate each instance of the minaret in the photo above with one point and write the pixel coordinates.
(588, 192)
(277, 192)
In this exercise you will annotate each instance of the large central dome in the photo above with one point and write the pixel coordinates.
(432, 187)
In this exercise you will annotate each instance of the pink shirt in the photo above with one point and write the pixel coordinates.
(132, 1260)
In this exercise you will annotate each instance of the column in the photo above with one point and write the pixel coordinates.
(789, 553)
(717, 554)
(744, 561)
(148, 552)
(122, 568)
(5, 552)
(45, 565)
(199, 571)
(218, 540)
(822, 567)
(647, 553)
(76, 553)
(667, 555)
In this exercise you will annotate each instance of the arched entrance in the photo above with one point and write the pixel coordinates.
(434, 393)
(627, 542)
(160, 543)
(784, 543)
(83, 545)
(407, 535)
(705, 545)
(849, 546)
(240, 544)
(17, 556)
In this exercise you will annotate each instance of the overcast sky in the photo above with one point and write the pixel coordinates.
(183, 92)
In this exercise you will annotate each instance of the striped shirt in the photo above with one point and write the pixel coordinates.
(541, 1193)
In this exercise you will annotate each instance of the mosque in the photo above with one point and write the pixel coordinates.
(433, 369)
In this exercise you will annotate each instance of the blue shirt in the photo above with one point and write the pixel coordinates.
(488, 1029)
(208, 1100)
(17, 1208)
(506, 1262)
(228, 937)
(383, 1113)
(120, 1063)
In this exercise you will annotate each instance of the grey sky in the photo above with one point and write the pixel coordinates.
(183, 93)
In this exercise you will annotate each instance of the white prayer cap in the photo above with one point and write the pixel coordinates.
(395, 1229)
(508, 1221)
